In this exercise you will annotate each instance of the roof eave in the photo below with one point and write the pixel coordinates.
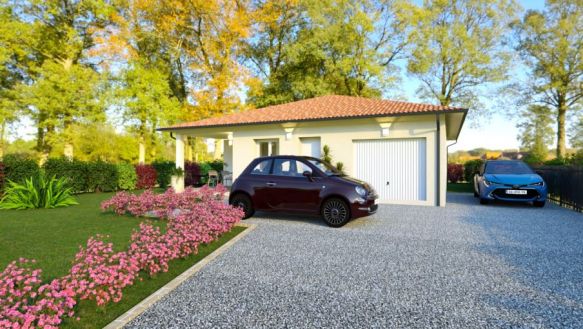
(460, 110)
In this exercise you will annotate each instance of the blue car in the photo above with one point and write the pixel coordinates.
(509, 181)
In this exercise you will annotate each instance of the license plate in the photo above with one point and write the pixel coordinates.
(519, 192)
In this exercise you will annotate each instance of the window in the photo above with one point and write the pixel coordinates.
(262, 168)
(289, 168)
(507, 167)
(327, 168)
(268, 148)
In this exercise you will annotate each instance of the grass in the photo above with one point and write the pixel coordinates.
(52, 237)
(460, 187)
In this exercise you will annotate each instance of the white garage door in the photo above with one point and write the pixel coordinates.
(396, 168)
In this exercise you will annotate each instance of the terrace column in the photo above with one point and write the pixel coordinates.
(178, 181)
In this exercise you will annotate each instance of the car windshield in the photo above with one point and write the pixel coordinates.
(507, 167)
(327, 168)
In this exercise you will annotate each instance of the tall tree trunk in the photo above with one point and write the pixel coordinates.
(142, 150)
(68, 148)
(561, 148)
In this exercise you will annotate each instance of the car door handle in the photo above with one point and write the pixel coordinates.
(270, 184)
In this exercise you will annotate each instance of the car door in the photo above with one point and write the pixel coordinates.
(292, 191)
(258, 179)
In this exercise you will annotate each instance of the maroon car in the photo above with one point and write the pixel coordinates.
(289, 183)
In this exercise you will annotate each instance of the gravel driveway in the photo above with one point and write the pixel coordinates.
(461, 266)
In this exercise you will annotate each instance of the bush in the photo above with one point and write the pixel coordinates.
(17, 168)
(1, 177)
(555, 162)
(192, 174)
(217, 165)
(126, 176)
(455, 172)
(101, 177)
(38, 192)
(164, 171)
(74, 171)
(146, 176)
(471, 167)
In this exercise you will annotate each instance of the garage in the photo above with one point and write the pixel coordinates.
(395, 167)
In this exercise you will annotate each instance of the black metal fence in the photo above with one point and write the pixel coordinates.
(565, 185)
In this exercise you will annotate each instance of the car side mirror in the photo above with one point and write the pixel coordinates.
(308, 174)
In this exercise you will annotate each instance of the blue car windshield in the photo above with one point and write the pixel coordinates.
(507, 167)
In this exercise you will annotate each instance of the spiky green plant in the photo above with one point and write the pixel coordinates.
(38, 192)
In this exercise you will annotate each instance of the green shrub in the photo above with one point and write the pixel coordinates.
(126, 176)
(18, 167)
(102, 176)
(217, 165)
(204, 172)
(471, 167)
(164, 171)
(74, 171)
(38, 192)
(555, 162)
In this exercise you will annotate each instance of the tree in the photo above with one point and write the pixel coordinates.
(457, 46)
(12, 60)
(535, 132)
(577, 134)
(551, 43)
(310, 48)
(59, 68)
(146, 101)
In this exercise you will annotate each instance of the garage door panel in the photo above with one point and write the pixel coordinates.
(396, 168)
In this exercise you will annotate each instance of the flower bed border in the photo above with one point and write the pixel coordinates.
(145, 304)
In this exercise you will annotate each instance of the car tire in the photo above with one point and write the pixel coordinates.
(483, 201)
(335, 212)
(244, 202)
(539, 204)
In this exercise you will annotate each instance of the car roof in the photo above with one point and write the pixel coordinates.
(301, 157)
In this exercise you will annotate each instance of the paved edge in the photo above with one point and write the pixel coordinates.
(138, 309)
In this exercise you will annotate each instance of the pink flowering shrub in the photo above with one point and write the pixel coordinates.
(27, 303)
(100, 274)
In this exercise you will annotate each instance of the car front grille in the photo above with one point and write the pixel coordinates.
(501, 193)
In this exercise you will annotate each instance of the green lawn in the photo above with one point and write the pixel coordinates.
(460, 187)
(53, 237)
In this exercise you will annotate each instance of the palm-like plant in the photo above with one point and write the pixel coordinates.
(37, 192)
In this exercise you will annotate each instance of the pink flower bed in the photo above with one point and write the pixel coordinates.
(100, 274)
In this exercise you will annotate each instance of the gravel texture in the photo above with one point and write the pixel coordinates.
(463, 266)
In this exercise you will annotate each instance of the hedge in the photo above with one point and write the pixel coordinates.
(470, 169)
(192, 174)
(18, 167)
(126, 176)
(455, 172)
(102, 176)
(164, 170)
(75, 171)
(1, 176)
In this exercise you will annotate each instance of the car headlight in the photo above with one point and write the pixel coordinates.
(488, 183)
(360, 190)
(538, 184)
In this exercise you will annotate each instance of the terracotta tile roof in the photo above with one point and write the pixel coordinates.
(319, 108)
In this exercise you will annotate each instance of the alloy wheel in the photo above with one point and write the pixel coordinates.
(335, 212)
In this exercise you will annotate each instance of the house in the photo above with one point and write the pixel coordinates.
(400, 148)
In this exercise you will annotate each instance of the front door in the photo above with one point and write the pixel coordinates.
(311, 147)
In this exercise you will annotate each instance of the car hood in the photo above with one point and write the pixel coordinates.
(513, 179)
(352, 180)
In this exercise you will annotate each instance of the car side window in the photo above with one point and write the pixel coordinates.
(262, 168)
(289, 168)
(302, 167)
